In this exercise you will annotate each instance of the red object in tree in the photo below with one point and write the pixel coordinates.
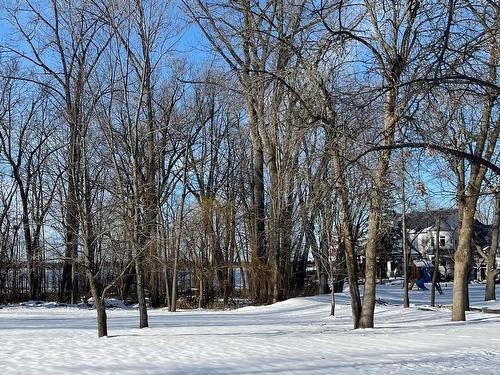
(421, 188)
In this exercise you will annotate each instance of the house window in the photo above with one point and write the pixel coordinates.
(442, 241)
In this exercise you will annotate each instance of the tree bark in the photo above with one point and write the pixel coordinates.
(332, 302)
(491, 267)
(406, 296)
(139, 244)
(102, 323)
(347, 233)
(259, 275)
(141, 295)
(436, 262)
(462, 261)
(69, 287)
(380, 186)
(468, 205)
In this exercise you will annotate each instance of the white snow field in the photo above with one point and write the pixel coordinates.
(292, 337)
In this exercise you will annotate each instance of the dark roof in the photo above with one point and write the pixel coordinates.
(443, 226)
(482, 233)
(420, 220)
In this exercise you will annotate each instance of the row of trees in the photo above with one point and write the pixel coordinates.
(126, 161)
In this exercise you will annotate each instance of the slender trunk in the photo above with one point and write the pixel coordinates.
(380, 188)
(217, 254)
(177, 237)
(167, 284)
(141, 295)
(28, 244)
(320, 257)
(139, 275)
(347, 235)
(173, 296)
(89, 246)
(69, 281)
(273, 229)
(166, 273)
(139, 261)
(39, 266)
(259, 248)
(491, 267)
(139, 241)
(406, 296)
(436, 262)
(200, 293)
(332, 301)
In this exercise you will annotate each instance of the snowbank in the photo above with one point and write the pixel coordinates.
(292, 337)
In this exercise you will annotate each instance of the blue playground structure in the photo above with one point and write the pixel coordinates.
(421, 274)
(425, 278)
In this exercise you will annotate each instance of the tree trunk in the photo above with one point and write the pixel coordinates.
(139, 272)
(69, 288)
(406, 296)
(89, 246)
(141, 295)
(28, 244)
(129, 276)
(273, 228)
(172, 307)
(332, 302)
(347, 235)
(323, 282)
(99, 300)
(462, 262)
(491, 267)
(69, 281)
(200, 299)
(168, 300)
(436, 262)
(259, 275)
(102, 324)
(485, 144)
(178, 230)
(380, 187)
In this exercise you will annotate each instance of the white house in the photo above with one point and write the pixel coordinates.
(423, 228)
(422, 231)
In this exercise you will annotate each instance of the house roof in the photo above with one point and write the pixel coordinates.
(444, 226)
(420, 220)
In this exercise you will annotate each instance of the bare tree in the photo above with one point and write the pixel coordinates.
(484, 144)
(62, 59)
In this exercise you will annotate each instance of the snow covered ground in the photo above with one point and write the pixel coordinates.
(295, 336)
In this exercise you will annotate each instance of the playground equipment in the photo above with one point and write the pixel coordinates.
(421, 273)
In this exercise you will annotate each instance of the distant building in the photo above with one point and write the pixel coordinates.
(422, 232)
